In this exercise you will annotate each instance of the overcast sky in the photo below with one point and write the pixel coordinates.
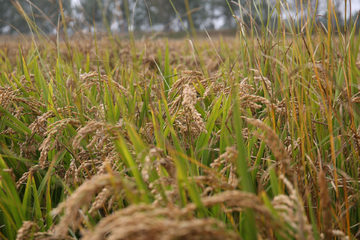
(355, 6)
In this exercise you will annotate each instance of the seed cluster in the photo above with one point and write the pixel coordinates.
(149, 149)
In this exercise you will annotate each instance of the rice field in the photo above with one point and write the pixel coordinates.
(254, 136)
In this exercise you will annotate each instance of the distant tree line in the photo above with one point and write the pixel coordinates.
(42, 12)
(120, 16)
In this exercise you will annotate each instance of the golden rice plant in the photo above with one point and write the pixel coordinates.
(250, 137)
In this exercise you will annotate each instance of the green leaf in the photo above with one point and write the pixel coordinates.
(204, 138)
(36, 208)
(22, 126)
(242, 161)
(9, 198)
(27, 198)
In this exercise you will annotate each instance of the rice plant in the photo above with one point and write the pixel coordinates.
(251, 137)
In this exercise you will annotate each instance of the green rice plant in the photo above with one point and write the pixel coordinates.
(253, 137)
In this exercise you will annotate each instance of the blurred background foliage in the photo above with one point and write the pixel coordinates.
(158, 15)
